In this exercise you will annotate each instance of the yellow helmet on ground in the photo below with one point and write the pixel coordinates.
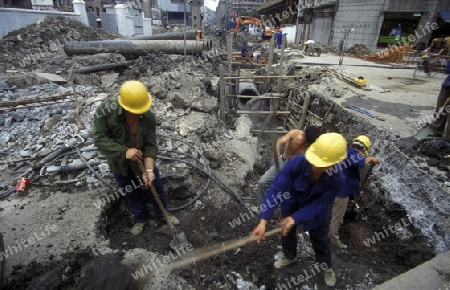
(362, 140)
(327, 150)
(134, 98)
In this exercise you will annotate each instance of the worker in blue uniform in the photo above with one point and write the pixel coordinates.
(244, 51)
(356, 158)
(306, 189)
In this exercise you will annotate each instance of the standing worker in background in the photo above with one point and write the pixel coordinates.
(441, 123)
(244, 51)
(308, 191)
(350, 167)
(124, 131)
(439, 47)
(280, 39)
(296, 142)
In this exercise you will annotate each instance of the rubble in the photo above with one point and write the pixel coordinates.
(358, 49)
(41, 45)
(209, 170)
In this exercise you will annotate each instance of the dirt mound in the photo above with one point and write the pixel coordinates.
(44, 41)
(358, 49)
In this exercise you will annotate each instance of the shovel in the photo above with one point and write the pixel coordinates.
(356, 207)
(208, 251)
(179, 239)
(423, 132)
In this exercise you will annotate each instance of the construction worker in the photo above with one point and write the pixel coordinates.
(439, 47)
(279, 39)
(244, 51)
(441, 122)
(308, 192)
(296, 142)
(124, 130)
(356, 159)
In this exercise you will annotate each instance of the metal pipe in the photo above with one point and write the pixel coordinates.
(190, 35)
(94, 68)
(135, 47)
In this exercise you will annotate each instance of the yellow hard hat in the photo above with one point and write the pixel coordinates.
(134, 98)
(327, 150)
(365, 141)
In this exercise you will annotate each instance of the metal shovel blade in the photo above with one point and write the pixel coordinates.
(179, 241)
(423, 132)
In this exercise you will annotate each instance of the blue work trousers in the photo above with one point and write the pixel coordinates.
(320, 242)
(135, 192)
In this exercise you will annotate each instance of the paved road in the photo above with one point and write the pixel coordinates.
(391, 93)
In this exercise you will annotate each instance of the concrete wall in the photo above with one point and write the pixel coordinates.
(92, 19)
(42, 3)
(367, 17)
(109, 22)
(322, 26)
(290, 33)
(168, 6)
(12, 18)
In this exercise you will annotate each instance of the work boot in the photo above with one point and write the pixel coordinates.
(172, 219)
(137, 229)
(283, 262)
(329, 277)
(340, 244)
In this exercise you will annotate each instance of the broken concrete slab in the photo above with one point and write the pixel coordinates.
(54, 78)
(109, 79)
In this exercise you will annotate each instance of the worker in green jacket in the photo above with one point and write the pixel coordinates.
(124, 131)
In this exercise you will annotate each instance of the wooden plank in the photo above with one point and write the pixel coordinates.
(222, 97)
(268, 131)
(305, 110)
(264, 96)
(280, 71)
(262, 77)
(263, 112)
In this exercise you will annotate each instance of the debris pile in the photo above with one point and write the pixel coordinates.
(39, 44)
(358, 50)
(393, 53)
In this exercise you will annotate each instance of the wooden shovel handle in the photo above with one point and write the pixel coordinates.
(158, 200)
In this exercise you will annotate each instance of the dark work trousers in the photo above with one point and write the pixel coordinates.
(320, 242)
(135, 192)
(442, 122)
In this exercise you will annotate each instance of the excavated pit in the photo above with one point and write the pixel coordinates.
(394, 238)
(393, 199)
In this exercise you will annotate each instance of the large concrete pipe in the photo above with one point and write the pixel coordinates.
(248, 88)
(190, 35)
(137, 47)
